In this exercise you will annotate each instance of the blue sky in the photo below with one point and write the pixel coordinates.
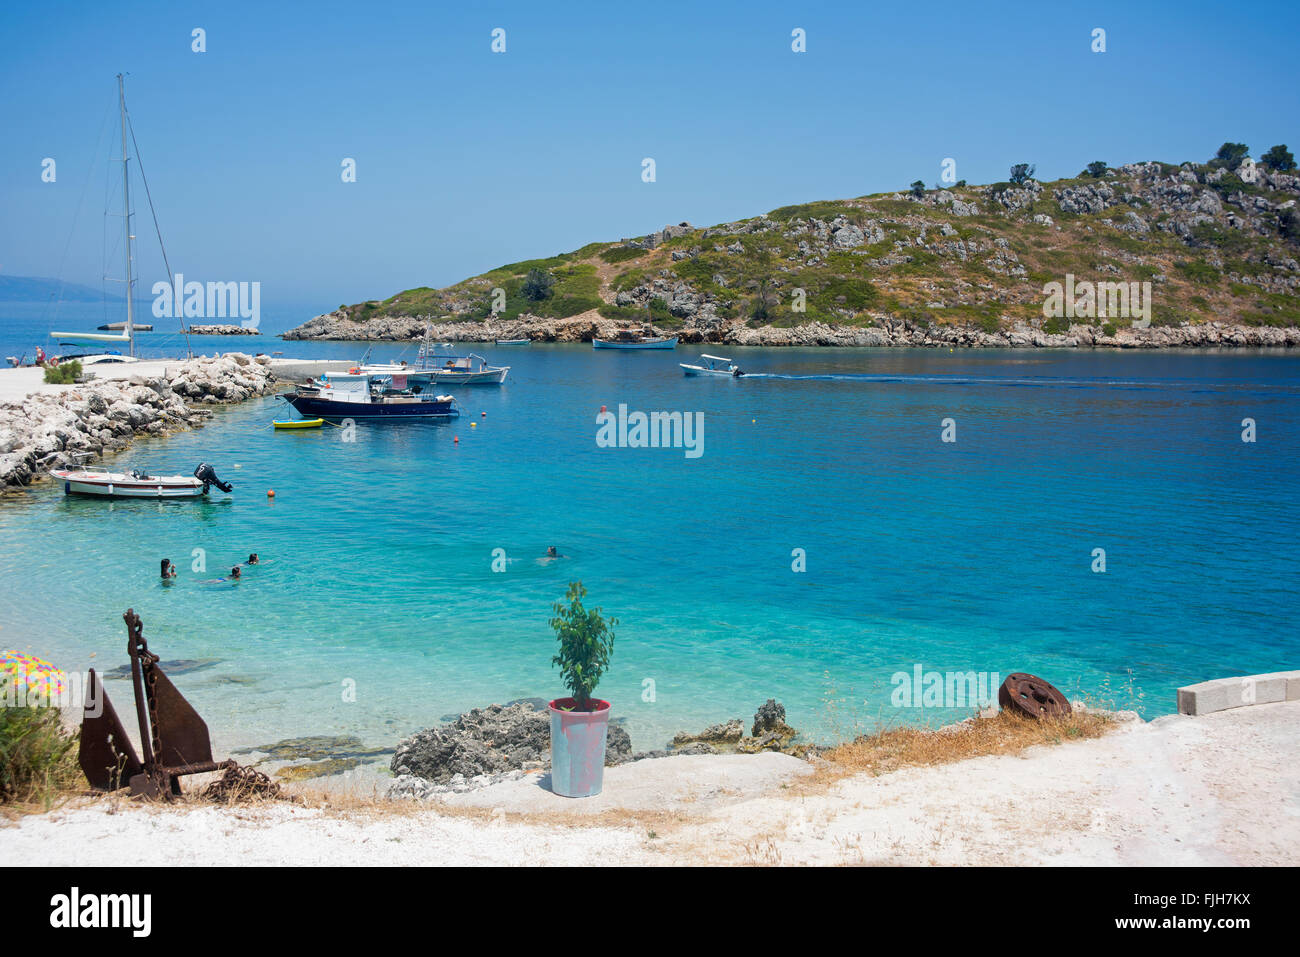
(468, 159)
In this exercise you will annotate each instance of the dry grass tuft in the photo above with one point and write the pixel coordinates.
(1002, 733)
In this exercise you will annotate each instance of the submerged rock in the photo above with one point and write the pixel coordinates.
(317, 769)
(316, 748)
(180, 666)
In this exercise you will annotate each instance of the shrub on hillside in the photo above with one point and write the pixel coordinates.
(538, 285)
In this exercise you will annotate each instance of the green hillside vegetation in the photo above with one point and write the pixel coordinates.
(1230, 265)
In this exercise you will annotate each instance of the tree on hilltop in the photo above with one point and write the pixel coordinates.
(1278, 159)
(1230, 155)
(1022, 172)
(1096, 169)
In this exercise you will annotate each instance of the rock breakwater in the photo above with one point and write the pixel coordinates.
(83, 422)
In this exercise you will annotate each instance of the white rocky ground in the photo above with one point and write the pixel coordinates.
(1220, 789)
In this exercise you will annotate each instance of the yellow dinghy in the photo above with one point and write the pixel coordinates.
(298, 423)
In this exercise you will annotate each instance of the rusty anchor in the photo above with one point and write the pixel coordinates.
(1031, 695)
(173, 737)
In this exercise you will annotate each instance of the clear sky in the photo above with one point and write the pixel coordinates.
(467, 159)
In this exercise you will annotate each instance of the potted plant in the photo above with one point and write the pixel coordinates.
(579, 723)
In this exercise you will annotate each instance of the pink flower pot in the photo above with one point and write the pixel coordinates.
(577, 747)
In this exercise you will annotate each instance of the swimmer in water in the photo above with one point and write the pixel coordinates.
(168, 569)
(552, 553)
(252, 559)
(234, 573)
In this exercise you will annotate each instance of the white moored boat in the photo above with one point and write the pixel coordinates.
(137, 483)
(712, 365)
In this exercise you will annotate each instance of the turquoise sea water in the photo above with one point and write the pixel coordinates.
(973, 555)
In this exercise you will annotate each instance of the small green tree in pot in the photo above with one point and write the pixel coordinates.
(586, 642)
(579, 723)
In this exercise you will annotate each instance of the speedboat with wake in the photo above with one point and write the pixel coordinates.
(712, 365)
(138, 483)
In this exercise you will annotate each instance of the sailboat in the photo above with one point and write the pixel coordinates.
(137, 483)
(124, 333)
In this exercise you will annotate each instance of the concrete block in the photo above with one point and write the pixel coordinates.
(1224, 693)
(1292, 684)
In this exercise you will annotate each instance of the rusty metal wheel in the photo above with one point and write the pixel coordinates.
(1031, 695)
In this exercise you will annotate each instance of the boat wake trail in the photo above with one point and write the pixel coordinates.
(1046, 382)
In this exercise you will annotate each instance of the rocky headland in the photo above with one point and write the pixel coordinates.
(83, 422)
(1212, 249)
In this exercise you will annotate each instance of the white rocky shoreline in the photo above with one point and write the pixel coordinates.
(83, 422)
(888, 333)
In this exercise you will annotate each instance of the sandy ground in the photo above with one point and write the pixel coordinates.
(1220, 789)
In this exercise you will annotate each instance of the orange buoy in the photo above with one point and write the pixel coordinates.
(270, 493)
(602, 409)
(456, 440)
(483, 414)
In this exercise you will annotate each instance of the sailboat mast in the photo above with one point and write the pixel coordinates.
(126, 200)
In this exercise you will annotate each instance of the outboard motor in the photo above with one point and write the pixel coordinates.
(206, 474)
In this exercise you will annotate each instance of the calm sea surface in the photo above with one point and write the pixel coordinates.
(972, 555)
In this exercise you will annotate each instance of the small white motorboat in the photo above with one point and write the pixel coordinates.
(513, 342)
(138, 483)
(712, 365)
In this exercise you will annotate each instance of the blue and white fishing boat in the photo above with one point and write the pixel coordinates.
(369, 396)
(712, 365)
(514, 342)
(627, 340)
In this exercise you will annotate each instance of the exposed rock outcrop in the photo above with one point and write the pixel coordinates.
(485, 746)
(490, 741)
